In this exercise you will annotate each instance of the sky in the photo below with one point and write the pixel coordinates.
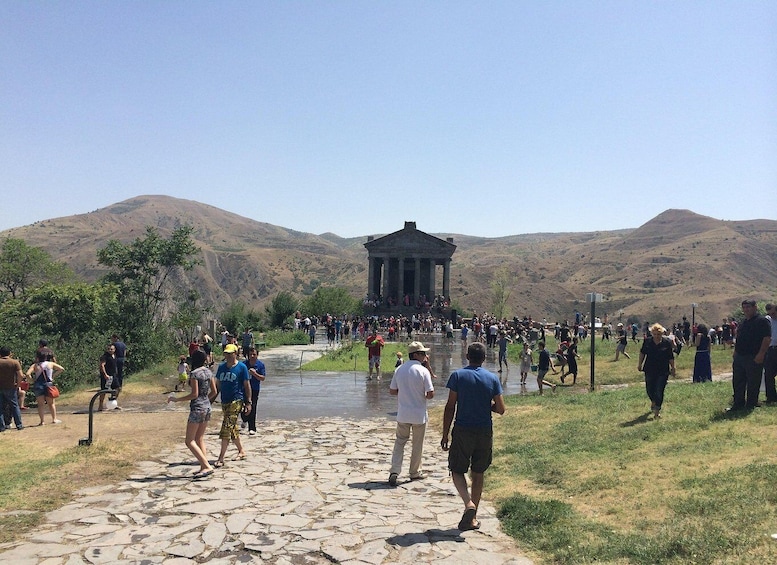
(479, 118)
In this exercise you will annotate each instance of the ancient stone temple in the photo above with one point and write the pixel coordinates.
(403, 267)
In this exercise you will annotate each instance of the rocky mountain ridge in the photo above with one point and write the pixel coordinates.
(651, 272)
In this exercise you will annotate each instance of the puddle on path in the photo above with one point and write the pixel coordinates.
(290, 393)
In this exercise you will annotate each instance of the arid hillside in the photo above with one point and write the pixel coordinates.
(652, 272)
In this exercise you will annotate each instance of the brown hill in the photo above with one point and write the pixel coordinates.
(653, 272)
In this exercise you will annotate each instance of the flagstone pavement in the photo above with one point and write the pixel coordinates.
(311, 491)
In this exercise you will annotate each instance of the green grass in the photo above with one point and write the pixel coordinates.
(274, 338)
(590, 478)
(353, 357)
(624, 371)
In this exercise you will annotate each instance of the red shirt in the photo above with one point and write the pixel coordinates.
(375, 344)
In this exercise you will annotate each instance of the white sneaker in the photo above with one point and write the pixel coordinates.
(243, 425)
(252, 433)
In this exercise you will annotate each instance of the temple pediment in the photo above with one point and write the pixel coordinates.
(411, 241)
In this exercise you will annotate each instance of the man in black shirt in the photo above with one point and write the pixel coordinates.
(770, 361)
(753, 337)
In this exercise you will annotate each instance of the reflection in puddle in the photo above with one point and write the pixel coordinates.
(289, 393)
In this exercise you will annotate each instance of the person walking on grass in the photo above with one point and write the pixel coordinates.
(412, 385)
(234, 384)
(473, 394)
(770, 360)
(656, 359)
(702, 363)
(544, 364)
(753, 338)
(572, 357)
(203, 392)
(622, 342)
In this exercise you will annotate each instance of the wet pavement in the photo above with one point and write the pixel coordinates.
(291, 393)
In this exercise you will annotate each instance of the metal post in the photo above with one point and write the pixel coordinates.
(593, 298)
(593, 339)
(693, 314)
(88, 440)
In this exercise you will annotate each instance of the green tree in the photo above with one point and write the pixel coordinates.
(73, 317)
(188, 315)
(238, 316)
(23, 266)
(142, 270)
(68, 310)
(331, 300)
(280, 309)
(501, 287)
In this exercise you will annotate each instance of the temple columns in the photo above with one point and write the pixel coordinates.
(386, 277)
(446, 279)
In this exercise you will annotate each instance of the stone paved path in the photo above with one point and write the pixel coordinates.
(310, 492)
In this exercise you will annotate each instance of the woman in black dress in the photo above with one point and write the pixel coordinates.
(702, 364)
(656, 359)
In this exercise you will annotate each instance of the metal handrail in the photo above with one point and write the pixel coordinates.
(88, 440)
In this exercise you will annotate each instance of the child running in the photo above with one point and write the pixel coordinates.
(183, 373)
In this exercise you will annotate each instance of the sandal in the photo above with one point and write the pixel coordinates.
(468, 521)
(218, 464)
(240, 457)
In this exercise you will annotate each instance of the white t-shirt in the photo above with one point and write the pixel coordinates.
(413, 381)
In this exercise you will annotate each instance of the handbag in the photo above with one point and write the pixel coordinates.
(52, 391)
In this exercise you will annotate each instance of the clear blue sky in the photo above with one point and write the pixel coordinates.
(480, 118)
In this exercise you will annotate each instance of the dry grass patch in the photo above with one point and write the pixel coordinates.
(41, 467)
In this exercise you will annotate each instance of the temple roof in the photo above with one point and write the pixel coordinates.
(411, 240)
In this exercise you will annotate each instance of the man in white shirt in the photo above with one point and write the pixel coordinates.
(412, 385)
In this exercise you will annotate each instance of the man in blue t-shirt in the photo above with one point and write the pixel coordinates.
(258, 372)
(473, 394)
(234, 384)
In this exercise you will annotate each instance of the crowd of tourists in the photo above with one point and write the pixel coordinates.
(40, 380)
(474, 393)
(423, 304)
